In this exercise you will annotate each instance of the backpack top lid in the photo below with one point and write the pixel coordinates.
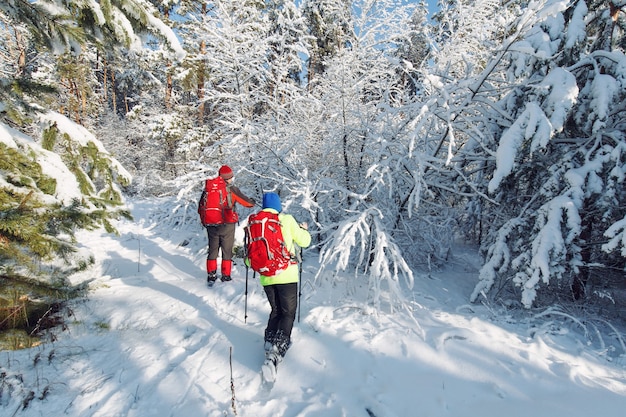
(272, 201)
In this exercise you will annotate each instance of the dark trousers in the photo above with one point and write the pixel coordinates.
(283, 300)
(221, 236)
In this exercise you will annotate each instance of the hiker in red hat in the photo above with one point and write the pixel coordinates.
(220, 221)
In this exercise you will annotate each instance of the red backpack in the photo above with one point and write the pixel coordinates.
(213, 202)
(265, 245)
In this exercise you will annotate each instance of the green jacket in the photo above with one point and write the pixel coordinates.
(293, 235)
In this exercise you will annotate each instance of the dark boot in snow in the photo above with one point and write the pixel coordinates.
(270, 340)
(211, 278)
(227, 266)
(282, 343)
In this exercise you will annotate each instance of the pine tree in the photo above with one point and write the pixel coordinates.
(546, 153)
(56, 176)
(330, 24)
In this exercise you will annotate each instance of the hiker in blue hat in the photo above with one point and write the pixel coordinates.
(280, 283)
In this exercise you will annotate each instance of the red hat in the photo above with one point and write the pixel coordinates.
(225, 172)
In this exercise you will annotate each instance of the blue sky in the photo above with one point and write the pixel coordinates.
(432, 4)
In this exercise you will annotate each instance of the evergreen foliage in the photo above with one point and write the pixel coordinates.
(65, 181)
(532, 137)
(567, 150)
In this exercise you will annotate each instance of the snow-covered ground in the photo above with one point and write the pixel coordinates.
(153, 340)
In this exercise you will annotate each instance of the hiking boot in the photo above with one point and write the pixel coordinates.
(226, 278)
(272, 354)
(268, 371)
(211, 277)
(269, 340)
(282, 343)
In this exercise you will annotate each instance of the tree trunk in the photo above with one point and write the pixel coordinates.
(21, 60)
(105, 68)
(201, 69)
(168, 86)
(113, 95)
(580, 281)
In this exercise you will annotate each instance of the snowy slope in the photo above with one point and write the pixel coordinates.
(152, 340)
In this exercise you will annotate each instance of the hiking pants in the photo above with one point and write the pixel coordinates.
(283, 300)
(221, 236)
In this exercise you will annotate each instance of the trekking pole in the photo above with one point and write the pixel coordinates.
(299, 282)
(245, 314)
(245, 317)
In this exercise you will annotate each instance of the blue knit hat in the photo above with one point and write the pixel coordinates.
(272, 200)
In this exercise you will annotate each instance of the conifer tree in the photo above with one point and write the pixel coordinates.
(330, 24)
(530, 138)
(56, 177)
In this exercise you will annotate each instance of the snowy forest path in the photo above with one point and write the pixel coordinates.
(187, 329)
(165, 340)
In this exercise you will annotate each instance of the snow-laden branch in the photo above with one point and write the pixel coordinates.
(548, 256)
(363, 243)
(532, 123)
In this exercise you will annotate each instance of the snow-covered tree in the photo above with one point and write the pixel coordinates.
(55, 175)
(250, 85)
(501, 121)
(534, 135)
(414, 47)
(330, 24)
(358, 153)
